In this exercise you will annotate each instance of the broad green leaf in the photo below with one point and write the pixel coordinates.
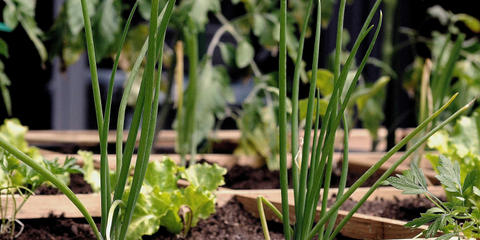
(90, 174)
(145, 218)
(205, 176)
(3, 48)
(201, 203)
(260, 24)
(74, 14)
(168, 203)
(162, 174)
(106, 28)
(324, 81)
(10, 16)
(227, 50)
(303, 104)
(244, 54)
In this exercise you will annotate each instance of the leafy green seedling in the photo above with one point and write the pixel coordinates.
(16, 178)
(457, 218)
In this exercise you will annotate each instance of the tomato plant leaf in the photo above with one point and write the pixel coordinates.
(244, 54)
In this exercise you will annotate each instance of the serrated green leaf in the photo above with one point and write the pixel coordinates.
(244, 54)
(435, 227)
(410, 182)
(449, 175)
(201, 203)
(205, 176)
(144, 221)
(422, 220)
(162, 174)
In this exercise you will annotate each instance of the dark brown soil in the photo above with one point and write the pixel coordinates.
(53, 228)
(229, 222)
(77, 184)
(245, 177)
(405, 209)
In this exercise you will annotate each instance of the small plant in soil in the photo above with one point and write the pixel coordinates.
(18, 179)
(459, 217)
(312, 170)
(116, 209)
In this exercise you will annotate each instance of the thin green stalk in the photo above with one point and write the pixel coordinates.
(327, 147)
(295, 92)
(137, 114)
(108, 104)
(263, 220)
(192, 53)
(308, 126)
(375, 167)
(282, 115)
(104, 170)
(53, 179)
(343, 175)
(389, 172)
(147, 109)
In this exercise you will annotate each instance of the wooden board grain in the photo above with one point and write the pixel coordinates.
(360, 139)
(359, 162)
(361, 226)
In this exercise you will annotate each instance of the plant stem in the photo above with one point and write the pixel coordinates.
(295, 92)
(282, 115)
(192, 53)
(104, 170)
(308, 126)
(263, 221)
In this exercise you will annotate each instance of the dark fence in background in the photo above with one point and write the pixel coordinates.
(44, 97)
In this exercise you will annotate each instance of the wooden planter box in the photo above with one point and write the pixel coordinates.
(360, 139)
(361, 226)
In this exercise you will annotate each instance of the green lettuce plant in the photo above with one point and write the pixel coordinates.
(16, 178)
(460, 143)
(459, 217)
(163, 203)
(312, 168)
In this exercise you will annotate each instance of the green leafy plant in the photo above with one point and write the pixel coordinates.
(460, 143)
(22, 12)
(459, 217)
(163, 203)
(312, 170)
(16, 178)
(117, 214)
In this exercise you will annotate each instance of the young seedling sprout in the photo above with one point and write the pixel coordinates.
(315, 165)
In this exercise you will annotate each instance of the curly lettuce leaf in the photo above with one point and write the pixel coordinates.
(161, 200)
(205, 176)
